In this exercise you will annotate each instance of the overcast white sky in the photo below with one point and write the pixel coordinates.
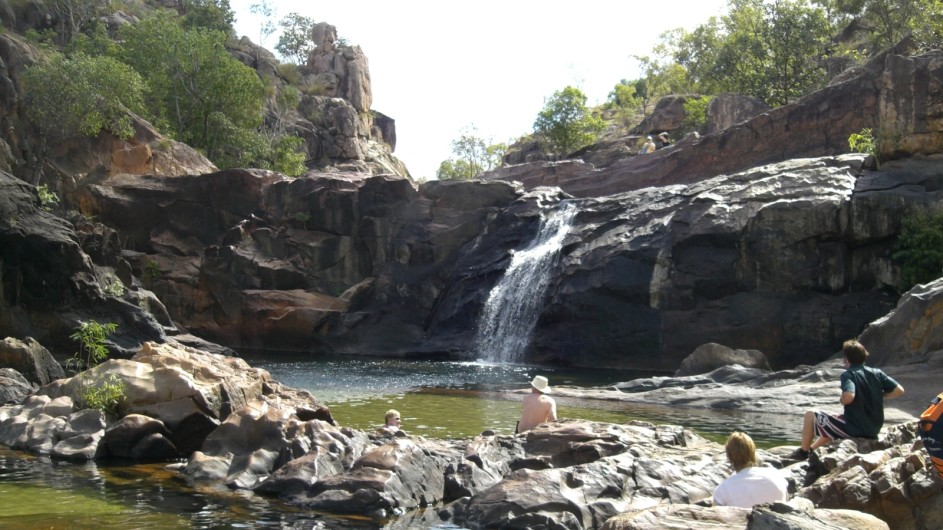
(437, 67)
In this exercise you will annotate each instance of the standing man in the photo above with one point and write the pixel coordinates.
(863, 390)
(538, 406)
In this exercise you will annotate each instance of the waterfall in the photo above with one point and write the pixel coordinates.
(515, 303)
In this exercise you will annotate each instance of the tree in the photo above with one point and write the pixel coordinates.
(73, 95)
(200, 94)
(73, 15)
(889, 21)
(566, 122)
(264, 10)
(770, 50)
(473, 155)
(214, 15)
(295, 42)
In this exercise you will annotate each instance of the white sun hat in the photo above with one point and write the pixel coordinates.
(540, 383)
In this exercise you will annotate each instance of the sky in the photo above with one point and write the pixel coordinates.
(441, 67)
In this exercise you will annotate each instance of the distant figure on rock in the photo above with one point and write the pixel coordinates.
(538, 406)
(863, 390)
(751, 484)
(648, 147)
(391, 422)
(663, 140)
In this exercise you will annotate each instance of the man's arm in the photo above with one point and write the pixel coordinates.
(552, 413)
(898, 391)
(847, 398)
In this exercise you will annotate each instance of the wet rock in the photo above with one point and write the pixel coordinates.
(139, 437)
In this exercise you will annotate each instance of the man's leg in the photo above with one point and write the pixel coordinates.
(808, 430)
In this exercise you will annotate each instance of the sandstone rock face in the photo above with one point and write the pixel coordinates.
(894, 93)
(911, 332)
(710, 356)
(789, 259)
(727, 110)
(50, 285)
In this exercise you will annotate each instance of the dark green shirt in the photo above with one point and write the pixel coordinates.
(864, 417)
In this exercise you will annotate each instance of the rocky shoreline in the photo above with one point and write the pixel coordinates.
(239, 428)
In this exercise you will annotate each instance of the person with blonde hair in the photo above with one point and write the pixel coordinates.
(390, 422)
(751, 483)
(863, 391)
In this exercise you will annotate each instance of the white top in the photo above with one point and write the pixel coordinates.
(752, 485)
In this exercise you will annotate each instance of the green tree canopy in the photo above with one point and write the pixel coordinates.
(82, 95)
(214, 15)
(199, 93)
(566, 122)
(774, 51)
(473, 155)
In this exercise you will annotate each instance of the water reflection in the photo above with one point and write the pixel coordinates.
(461, 399)
(436, 399)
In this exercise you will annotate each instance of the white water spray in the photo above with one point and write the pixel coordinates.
(515, 303)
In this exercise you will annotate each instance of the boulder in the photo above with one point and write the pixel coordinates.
(726, 110)
(139, 437)
(31, 359)
(13, 386)
(711, 356)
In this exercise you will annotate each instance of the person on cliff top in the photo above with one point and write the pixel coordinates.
(751, 483)
(391, 422)
(648, 146)
(663, 140)
(863, 390)
(538, 406)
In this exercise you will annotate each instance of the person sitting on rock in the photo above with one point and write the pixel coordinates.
(391, 422)
(751, 484)
(538, 407)
(648, 146)
(863, 390)
(663, 140)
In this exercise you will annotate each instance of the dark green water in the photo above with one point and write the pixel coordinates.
(435, 399)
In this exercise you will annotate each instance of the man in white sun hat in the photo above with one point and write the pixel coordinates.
(538, 406)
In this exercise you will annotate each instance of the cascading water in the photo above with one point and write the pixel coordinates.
(515, 303)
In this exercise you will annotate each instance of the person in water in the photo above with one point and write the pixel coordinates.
(751, 483)
(390, 422)
(538, 406)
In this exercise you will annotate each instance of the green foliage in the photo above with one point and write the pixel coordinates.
(863, 142)
(626, 101)
(72, 16)
(114, 287)
(91, 337)
(919, 249)
(290, 73)
(295, 42)
(473, 155)
(47, 199)
(105, 394)
(95, 43)
(150, 272)
(213, 15)
(200, 94)
(695, 113)
(770, 50)
(889, 21)
(82, 95)
(566, 122)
